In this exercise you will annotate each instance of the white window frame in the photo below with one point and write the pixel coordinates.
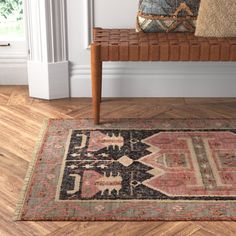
(13, 59)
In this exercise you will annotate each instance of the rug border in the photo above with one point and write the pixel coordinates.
(30, 170)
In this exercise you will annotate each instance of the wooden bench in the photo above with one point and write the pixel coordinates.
(127, 45)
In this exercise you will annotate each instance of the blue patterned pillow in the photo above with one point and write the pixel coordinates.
(167, 15)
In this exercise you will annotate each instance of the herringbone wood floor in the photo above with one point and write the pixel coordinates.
(21, 118)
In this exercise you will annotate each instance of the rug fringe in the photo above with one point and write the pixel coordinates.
(30, 171)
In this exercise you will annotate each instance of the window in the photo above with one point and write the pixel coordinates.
(11, 20)
(12, 35)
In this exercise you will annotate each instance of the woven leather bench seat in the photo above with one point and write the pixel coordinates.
(127, 45)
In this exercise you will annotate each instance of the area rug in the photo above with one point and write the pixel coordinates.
(133, 169)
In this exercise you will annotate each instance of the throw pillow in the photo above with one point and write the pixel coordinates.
(167, 15)
(217, 18)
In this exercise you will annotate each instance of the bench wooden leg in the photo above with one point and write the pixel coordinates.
(96, 72)
(100, 82)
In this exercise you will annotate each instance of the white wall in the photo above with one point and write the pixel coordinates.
(13, 70)
(126, 79)
(139, 79)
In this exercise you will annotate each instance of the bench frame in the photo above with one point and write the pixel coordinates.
(127, 45)
(96, 75)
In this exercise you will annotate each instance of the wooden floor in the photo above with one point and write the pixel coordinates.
(21, 118)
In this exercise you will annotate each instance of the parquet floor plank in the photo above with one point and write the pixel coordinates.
(5, 93)
(19, 114)
(174, 228)
(219, 228)
(207, 101)
(19, 96)
(202, 232)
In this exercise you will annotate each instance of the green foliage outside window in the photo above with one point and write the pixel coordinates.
(11, 19)
(11, 7)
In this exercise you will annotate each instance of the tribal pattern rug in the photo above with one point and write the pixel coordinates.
(132, 169)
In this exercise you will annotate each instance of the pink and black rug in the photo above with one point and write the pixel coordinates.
(166, 169)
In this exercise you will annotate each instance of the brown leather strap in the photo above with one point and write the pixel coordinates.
(128, 45)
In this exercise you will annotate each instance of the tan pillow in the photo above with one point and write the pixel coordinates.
(216, 18)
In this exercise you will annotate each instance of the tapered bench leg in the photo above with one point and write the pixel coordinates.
(96, 72)
(100, 82)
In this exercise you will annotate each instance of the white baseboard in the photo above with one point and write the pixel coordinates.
(169, 79)
(13, 71)
(48, 80)
(190, 79)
